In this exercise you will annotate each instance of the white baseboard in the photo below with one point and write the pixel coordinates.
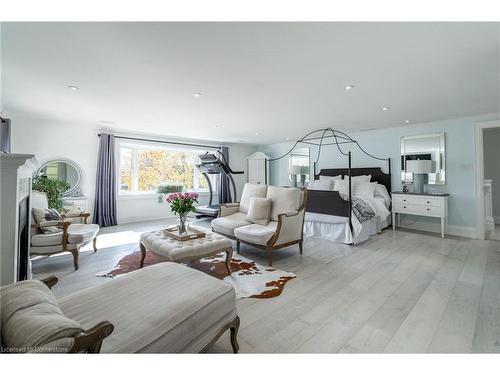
(468, 232)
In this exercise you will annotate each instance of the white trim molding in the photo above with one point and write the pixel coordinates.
(479, 163)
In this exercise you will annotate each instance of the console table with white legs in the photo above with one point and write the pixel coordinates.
(422, 204)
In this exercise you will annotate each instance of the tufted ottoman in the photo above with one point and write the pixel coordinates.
(178, 251)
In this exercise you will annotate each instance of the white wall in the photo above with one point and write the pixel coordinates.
(49, 139)
(492, 166)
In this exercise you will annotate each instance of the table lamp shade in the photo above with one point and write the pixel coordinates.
(418, 166)
(294, 169)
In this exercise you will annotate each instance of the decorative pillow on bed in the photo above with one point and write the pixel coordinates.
(364, 189)
(358, 179)
(320, 185)
(342, 186)
(259, 210)
(331, 178)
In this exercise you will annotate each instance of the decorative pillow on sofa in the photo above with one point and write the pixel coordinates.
(259, 210)
(44, 216)
(284, 200)
(32, 319)
(249, 191)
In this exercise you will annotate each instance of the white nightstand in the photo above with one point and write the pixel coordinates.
(432, 205)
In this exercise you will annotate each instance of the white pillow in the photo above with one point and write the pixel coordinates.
(320, 185)
(381, 192)
(357, 179)
(342, 186)
(259, 210)
(331, 178)
(364, 189)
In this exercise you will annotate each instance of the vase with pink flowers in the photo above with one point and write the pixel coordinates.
(182, 204)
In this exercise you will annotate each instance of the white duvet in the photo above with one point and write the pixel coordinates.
(336, 228)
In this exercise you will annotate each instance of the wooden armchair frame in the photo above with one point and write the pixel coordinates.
(65, 237)
(90, 340)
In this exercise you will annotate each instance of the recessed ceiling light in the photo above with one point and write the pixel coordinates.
(287, 139)
(348, 87)
(216, 126)
(196, 94)
(407, 121)
(74, 88)
(385, 109)
(106, 122)
(257, 133)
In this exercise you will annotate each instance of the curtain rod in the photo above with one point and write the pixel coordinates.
(167, 142)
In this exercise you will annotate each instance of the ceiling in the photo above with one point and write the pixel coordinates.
(260, 82)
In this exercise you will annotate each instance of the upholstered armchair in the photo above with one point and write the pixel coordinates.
(285, 227)
(50, 237)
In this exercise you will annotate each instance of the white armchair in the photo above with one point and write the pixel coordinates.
(71, 234)
(286, 225)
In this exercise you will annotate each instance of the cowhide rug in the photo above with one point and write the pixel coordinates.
(249, 279)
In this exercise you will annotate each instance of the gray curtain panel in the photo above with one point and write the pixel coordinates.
(224, 185)
(5, 135)
(105, 187)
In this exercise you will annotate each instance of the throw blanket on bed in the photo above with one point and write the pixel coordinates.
(361, 209)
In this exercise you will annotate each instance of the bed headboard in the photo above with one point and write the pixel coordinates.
(377, 174)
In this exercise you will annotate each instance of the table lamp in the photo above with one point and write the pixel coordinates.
(419, 168)
(294, 170)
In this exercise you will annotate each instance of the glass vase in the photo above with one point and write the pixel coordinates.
(181, 226)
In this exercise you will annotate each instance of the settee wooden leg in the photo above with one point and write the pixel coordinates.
(143, 254)
(238, 247)
(94, 243)
(234, 335)
(300, 247)
(75, 258)
(270, 257)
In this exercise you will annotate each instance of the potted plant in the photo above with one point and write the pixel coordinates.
(182, 204)
(167, 189)
(54, 190)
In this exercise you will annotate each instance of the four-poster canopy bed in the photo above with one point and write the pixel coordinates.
(327, 209)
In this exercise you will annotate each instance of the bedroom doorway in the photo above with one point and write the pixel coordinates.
(488, 180)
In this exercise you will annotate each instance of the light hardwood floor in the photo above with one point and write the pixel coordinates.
(398, 292)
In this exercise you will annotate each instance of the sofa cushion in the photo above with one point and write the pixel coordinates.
(227, 224)
(284, 200)
(164, 308)
(77, 234)
(249, 191)
(82, 233)
(32, 318)
(259, 210)
(255, 233)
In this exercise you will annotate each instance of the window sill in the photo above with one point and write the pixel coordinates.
(151, 196)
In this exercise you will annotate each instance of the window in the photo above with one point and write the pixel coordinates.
(143, 168)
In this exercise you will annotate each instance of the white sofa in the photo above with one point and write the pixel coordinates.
(286, 223)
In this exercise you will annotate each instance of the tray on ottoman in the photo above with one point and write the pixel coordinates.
(190, 234)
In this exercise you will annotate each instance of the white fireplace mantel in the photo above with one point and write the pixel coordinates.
(15, 183)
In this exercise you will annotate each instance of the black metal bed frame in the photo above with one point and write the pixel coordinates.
(318, 200)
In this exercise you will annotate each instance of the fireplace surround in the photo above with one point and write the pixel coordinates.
(16, 175)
